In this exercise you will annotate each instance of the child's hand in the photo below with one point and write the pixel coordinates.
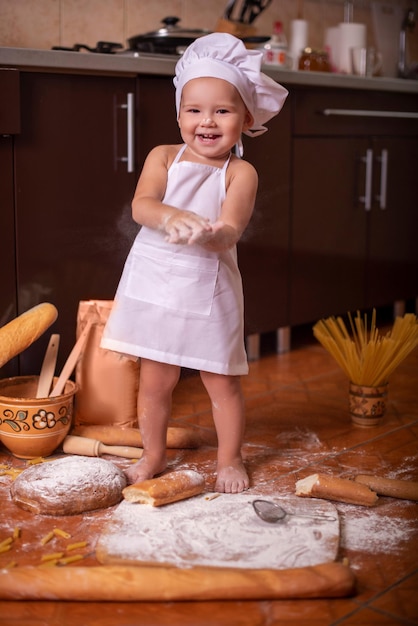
(185, 227)
(208, 235)
(221, 237)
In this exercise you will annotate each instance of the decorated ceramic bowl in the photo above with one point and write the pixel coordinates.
(32, 427)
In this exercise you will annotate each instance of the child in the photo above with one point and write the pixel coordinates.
(179, 302)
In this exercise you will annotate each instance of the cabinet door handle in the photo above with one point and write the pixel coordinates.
(383, 160)
(130, 130)
(367, 198)
(371, 113)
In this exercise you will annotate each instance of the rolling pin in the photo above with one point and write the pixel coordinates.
(177, 437)
(405, 489)
(91, 447)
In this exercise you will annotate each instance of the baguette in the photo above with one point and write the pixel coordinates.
(166, 489)
(21, 332)
(404, 489)
(333, 488)
(169, 584)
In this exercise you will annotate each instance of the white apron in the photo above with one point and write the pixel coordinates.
(181, 304)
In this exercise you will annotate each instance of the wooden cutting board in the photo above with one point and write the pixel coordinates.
(220, 532)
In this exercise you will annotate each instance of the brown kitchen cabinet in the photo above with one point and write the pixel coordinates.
(72, 195)
(392, 261)
(157, 120)
(8, 301)
(9, 126)
(263, 252)
(328, 229)
(354, 190)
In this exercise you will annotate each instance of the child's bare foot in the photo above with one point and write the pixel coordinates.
(147, 467)
(232, 478)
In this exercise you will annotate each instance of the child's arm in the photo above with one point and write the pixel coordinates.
(236, 210)
(148, 208)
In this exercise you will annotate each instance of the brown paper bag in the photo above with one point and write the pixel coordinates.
(108, 381)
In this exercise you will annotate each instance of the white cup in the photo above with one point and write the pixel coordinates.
(365, 61)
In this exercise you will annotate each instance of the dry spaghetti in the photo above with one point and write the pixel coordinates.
(367, 357)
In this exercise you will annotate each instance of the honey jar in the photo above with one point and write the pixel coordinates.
(314, 61)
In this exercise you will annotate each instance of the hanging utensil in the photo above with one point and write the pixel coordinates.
(258, 6)
(48, 367)
(245, 11)
(229, 9)
(272, 513)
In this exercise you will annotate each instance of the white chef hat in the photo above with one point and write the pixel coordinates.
(220, 55)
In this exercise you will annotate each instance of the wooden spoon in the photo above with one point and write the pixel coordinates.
(48, 367)
(72, 360)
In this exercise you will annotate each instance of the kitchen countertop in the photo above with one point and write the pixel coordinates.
(126, 64)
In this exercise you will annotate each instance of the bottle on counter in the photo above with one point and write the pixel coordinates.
(275, 50)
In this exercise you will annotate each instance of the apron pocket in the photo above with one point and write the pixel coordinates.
(172, 280)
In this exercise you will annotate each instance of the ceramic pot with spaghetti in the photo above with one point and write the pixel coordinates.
(368, 358)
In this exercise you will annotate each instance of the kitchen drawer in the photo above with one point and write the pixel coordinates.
(335, 112)
(9, 102)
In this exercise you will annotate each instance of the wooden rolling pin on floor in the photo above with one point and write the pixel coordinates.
(85, 446)
(177, 437)
(405, 489)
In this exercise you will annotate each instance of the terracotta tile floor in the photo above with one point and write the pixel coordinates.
(297, 423)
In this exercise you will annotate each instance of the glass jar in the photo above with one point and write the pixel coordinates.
(314, 61)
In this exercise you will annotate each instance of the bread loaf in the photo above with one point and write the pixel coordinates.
(405, 489)
(68, 486)
(334, 488)
(21, 332)
(165, 489)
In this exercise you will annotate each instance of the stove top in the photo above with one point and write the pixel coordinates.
(109, 47)
(102, 47)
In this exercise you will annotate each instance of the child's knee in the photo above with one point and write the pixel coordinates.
(159, 377)
(221, 384)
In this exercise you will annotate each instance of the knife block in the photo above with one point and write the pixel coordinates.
(235, 28)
